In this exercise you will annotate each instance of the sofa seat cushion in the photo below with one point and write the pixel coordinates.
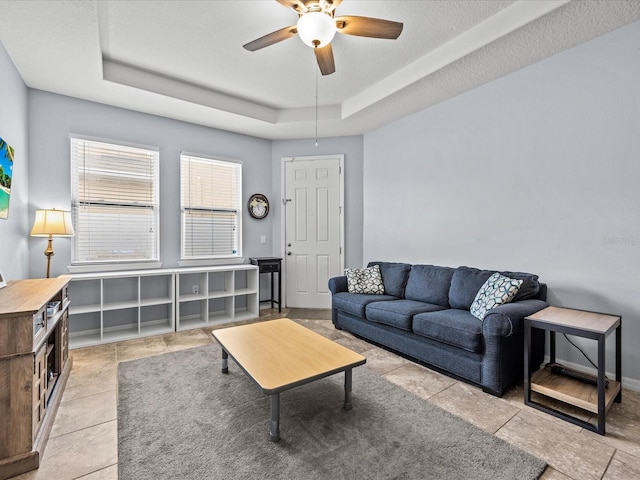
(355, 303)
(429, 284)
(455, 327)
(398, 313)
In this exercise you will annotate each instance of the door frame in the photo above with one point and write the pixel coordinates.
(283, 211)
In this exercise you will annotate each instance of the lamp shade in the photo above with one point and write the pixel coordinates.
(52, 222)
(316, 29)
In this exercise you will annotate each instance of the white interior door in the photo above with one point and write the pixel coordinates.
(313, 239)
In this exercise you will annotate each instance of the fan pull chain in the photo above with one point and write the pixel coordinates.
(316, 108)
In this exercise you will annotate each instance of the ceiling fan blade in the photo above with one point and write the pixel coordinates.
(368, 27)
(271, 38)
(324, 56)
(297, 5)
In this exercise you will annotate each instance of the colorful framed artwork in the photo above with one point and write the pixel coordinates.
(6, 173)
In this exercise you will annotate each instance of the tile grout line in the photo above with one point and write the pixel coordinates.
(85, 428)
(95, 471)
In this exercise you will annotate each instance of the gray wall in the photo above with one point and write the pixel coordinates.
(352, 148)
(14, 231)
(53, 117)
(538, 171)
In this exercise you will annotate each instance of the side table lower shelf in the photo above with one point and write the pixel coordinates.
(572, 391)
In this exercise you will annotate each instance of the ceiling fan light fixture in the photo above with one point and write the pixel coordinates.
(316, 29)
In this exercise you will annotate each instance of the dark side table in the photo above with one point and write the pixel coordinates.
(594, 398)
(270, 265)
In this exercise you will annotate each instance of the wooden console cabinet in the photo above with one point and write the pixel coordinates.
(34, 368)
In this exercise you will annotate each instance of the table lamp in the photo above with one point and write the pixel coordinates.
(52, 223)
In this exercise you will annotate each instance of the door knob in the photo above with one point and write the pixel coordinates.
(288, 253)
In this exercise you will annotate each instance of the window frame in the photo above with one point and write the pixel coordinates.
(89, 264)
(193, 259)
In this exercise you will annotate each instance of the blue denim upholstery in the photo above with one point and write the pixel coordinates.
(355, 303)
(394, 276)
(465, 284)
(530, 285)
(455, 327)
(430, 284)
(398, 313)
(429, 320)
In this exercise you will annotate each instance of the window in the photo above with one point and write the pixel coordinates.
(211, 196)
(114, 200)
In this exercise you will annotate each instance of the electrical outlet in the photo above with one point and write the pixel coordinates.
(195, 289)
(263, 239)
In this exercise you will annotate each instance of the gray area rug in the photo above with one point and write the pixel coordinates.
(179, 417)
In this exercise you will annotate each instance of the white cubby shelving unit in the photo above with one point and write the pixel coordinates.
(113, 306)
(216, 295)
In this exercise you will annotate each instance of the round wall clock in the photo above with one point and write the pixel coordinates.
(258, 206)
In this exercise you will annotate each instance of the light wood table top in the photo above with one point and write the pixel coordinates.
(27, 296)
(599, 323)
(280, 354)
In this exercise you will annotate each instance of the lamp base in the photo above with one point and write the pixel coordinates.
(49, 253)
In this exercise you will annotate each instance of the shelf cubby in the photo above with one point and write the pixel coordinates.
(86, 328)
(221, 290)
(156, 319)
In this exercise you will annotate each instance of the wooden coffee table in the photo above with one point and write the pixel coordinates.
(280, 354)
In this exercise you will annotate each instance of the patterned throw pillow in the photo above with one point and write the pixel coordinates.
(365, 280)
(497, 290)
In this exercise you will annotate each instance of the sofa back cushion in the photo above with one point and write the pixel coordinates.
(394, 277)
(429, 284)
(530, 287)
(465, 283)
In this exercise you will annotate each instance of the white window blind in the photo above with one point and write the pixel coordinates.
(114, 202)
(211, 196)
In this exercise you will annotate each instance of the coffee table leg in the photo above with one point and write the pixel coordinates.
(274, 426)
(225, 361)
(347, 389)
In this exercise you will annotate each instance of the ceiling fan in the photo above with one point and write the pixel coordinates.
(317, 25)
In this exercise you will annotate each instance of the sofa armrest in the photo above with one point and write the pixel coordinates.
(507, 319)
(338, 284)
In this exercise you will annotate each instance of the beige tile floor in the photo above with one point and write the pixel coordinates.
(83, 441)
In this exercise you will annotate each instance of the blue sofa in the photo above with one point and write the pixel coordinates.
(424, 313)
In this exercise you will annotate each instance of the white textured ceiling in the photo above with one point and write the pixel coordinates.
(184, 59)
